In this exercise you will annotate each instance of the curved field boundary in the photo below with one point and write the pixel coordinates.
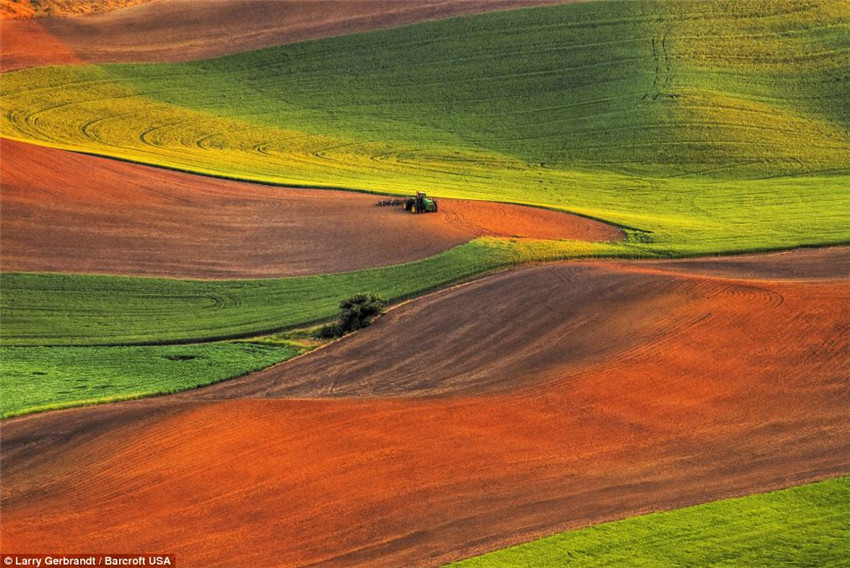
(803, 526)
(39, 379)
(66, 212)
(517, 328)
(800, 264)
(182, 30)
(617, 110)
(65, 309)
(584, 437)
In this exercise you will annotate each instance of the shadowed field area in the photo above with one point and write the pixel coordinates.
(67, 212)
(591, 432)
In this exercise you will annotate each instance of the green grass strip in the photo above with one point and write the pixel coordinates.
(57, 309)
(35, 379)
(806, 526)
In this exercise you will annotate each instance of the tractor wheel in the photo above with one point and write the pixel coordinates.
(414, 208)
(435, 207)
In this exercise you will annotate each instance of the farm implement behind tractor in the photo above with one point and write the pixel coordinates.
(420, 203)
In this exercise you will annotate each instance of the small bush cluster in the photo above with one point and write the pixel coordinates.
(355, 313)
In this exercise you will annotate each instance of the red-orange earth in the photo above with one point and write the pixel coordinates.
(68, 212)
(519, 405)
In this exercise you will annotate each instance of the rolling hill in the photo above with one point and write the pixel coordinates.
(542, 399)
(501, 408)
(623, 111)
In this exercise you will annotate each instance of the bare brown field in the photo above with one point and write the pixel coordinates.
(183, 30)
(26, 43)
(581, 392)
(67, 212)
(799, 264)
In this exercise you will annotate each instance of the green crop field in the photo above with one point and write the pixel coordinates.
(55, 309)
(700, 126)
(33, 379)
(717, 126)
(803, 526)
(43, 314)
(708, 126)
(46, 313)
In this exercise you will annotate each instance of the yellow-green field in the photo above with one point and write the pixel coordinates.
(716, 126)
(700, 127)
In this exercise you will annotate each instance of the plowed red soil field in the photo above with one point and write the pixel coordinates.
(26, 43)
(581, 392)
(67, 212)
(181, 30)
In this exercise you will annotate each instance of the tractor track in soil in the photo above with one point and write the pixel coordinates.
(583, 392)
(68, 212)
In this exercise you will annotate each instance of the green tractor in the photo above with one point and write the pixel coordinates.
(420, 204)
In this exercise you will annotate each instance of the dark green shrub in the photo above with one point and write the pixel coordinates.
(328, 331)
(355, 313)
(359, 310)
